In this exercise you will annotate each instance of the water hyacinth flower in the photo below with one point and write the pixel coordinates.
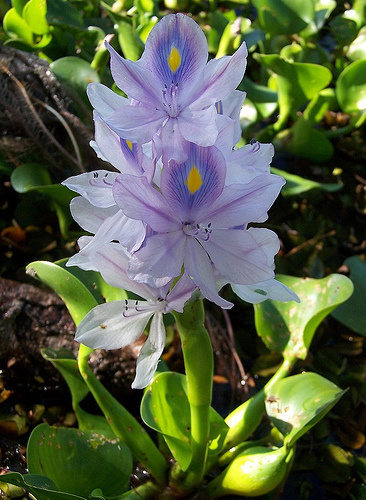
(172, 90)
(119, 323)
(201, 224)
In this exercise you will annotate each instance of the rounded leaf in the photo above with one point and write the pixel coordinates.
(288, 326)
(284, 17)
(297, 403)
(352, 312)
(79, 461)
(351, 87)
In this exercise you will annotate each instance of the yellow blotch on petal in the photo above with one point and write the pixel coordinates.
(129, 144)
(194, 180)
(174, 59)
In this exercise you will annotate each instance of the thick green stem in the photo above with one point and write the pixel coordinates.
(198, 359)
(124, 425)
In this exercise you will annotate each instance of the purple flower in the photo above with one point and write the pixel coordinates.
(199, 223)
(172, 90)
(119, 323)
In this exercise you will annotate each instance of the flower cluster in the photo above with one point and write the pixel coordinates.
(174, 217)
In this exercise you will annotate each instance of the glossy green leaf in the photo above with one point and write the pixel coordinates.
(343, 29)
(284, 17)
(351, 87)
(78, 299)
(165, 408)
(79, 461)
(130, 45)
(289, 327)
(41, 487)
(296, 83)
(16, 27)
(352, 313)
(66, 363)
(34, 14)
(28, 176)
(64, 13)
(19, 6)
(75, 72)
(297, 403)
(323, 9)
(296, 185)
(302, 139)
(357, 49)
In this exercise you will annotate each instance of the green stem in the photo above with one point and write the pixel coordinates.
(246, 417)
(198, 360)
(123, 424)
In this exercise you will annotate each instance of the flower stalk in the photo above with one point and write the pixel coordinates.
(198, 360)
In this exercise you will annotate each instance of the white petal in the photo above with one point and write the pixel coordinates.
(104, 100)
(88, 216)
(109, 326)
(95, 186)
(270, 289)
(150, 353)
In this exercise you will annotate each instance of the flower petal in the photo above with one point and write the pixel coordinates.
(270, 289)
(180, 293)
(104, 100)
(193, 186)
(88, 216)
(139, 200)
(150, 353)
(136, 123)
(107, 327)
(137, 82)
(237, 256)
(110, 147)
(198, 265)
(95, 186)
(199, 126)
(220, 78)
(248, 162)
(176, 51)
(240, 204)
(161, 257)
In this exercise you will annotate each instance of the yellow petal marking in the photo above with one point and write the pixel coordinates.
(174, 59)
(129, 144)
(194, 180)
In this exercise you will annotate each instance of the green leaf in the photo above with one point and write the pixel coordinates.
(357, 49)
(129, 42)
(284, 17)
(165, 408)
(40, 487)
(63, 13)
(16, 27)
(19, 6)
(66, 363)
(289, 327)
(79, 461)
(343, 29)
(295, 404)
(78, 299)
(351, 87)
(34, 14)
(302, 139)
(28, 176)
(352, 312)
(296, 82)
(75, 73)
(323, 9)
(297, 185)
